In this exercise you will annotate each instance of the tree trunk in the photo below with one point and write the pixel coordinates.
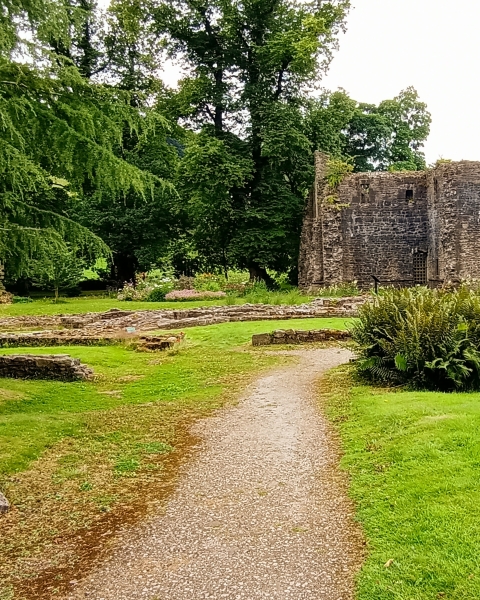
(125, 267)
(218, 104)
(258, 273)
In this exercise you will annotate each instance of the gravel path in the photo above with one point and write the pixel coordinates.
(260, 513)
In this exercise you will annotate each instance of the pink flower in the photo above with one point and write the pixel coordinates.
(193, 295)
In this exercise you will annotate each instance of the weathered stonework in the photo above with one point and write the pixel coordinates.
(404, 228)
(95, 327)
(41, 339)
(4, 504)
(291, 336)
(45, 366)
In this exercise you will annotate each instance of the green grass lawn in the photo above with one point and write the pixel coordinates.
(33, 414)
(89, 304)
(85, 450)
(414, 460)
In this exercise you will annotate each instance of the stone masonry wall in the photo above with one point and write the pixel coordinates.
(454, 210)
(383, 223)
(311, 242)
(45, 366)
(382, 227)
(291, 336)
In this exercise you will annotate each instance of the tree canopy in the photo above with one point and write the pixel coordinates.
(389, 136)
(61, 135)
(99, 158)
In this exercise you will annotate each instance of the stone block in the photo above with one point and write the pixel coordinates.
(46, 366)
(262, 339)
(299, 337)
(4, 504)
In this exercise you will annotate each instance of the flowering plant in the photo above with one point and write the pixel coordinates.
(193, 295)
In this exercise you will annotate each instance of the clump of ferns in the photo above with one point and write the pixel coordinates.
(427, 339)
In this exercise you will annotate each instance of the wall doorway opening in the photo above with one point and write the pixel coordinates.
(420, 268)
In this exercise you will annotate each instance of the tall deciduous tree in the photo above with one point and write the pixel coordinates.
(389, 136)
(251, 63)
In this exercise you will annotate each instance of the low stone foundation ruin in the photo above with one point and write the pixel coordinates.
(60, 367)
(291, 336)
(115, 321)
(37, 339)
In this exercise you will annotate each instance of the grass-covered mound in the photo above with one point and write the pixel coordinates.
(426, 338)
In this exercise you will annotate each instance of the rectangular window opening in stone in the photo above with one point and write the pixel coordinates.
(409, 194)
(420, 268)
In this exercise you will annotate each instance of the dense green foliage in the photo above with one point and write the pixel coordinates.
(413, 463)
(425, 338)
(61, 136)
(62, 271)
(246, 175)
(99, 156)
(389, 136)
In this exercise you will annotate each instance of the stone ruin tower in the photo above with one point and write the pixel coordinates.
(406, 228)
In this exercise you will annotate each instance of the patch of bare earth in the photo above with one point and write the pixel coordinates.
(261, 512)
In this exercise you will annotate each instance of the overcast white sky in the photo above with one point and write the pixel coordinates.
(433, 45)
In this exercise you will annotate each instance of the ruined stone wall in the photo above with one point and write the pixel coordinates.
(45, 366)
(310, 263)
(292, 336)
(454, 216)
(383, 224)
(386, 224)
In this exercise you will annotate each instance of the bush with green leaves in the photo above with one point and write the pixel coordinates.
(237, 282)
(428, 339)
(21, 300)
(156, 295)
(61, 268)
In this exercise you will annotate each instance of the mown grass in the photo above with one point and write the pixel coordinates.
(86, 304)
(414, 460)
(72, 455)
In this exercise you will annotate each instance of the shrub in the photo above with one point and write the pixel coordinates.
(341, 290)
(129, 292)
(184, 283)
(425, 338)
(151, 287)
(193, 295)
(258, 293)
(208, 283)
(156, 295)
(21, 300)
(237, 282)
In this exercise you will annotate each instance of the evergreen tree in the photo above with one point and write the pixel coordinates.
(61, 136)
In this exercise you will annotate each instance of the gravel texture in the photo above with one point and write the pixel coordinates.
(261, 512)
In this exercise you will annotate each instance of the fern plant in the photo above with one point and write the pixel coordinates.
(426, 338)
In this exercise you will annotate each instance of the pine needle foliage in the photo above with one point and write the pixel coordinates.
(428, 339)
(61, 136)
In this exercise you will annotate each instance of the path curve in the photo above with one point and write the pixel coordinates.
(260, 513)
